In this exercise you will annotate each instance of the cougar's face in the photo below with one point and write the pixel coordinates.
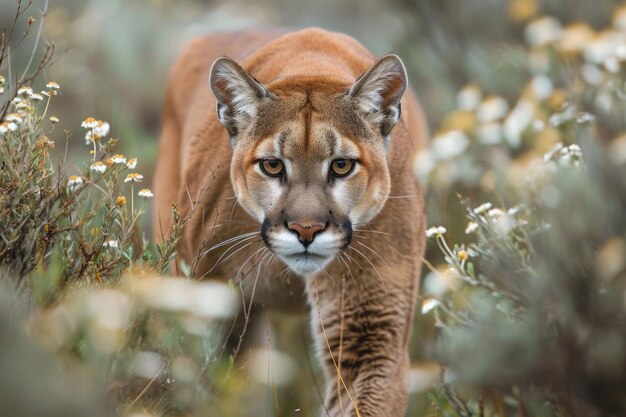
(309, 165)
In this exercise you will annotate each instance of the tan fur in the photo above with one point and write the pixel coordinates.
(362, 303)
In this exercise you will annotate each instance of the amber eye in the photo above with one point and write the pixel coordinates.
(341, 167)
(272, 167)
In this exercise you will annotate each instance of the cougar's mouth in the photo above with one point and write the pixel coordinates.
(304, 257)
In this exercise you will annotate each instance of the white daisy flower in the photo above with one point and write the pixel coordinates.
(25, 91)
(492, 108)
(482, 208)
(102, 129)
(433, 231)
(543, 31)
(14, 118)
(468, 98)
(471, 228)
(4, 128)
(430, 304)
(53, 85)
(620, 52)
(36, 97)
(74, 182)
(54, 119)
(98, 166)
(89, 123)
(17, 100)
(611, 64)
(131, 163)
(145, 192)
(134, 177)
(449, 145)
(495, 213)
(111, 244)
(514, 210)
(118, 159)
(12, 126)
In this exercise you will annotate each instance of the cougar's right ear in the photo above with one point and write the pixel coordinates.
(237, 93)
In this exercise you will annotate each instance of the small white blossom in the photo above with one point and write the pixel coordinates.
(493, 213)
(543, 31)
(36, 97)
(4, 128)
(449, 145)
(54, 119)
(89, 123)
(492, 108)
(611, 64)
(14, 118)
(118, 159)
(430, 304)
(102, 129)
(592, 74)
(111, 244)
(146, 192)
(482, 208)
(471, 228)
(25, 91)
(433, 231)
(98, 166)
(541, 86)
(17, 100)
(12, 126)
(514, 210)
(97, 133)
(74, 182)
(134, 177)
(468, 98)
(131, 163)
(53, 86)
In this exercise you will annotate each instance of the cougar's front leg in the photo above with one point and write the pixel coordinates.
(362, 328)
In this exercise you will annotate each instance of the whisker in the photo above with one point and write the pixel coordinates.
(386, 241)
(351, 259)
(220, 262)
(227, 241)
(373, 251)
(377, 223)
(372, 231)
(402, 196)
(375, 269)
(237, 278)
(240, 241)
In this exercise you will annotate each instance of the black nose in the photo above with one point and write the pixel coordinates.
(306, 234)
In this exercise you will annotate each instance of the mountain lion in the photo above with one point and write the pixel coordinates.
(292, 160)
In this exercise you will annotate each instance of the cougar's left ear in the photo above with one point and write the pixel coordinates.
(377, 93)
(237, 93)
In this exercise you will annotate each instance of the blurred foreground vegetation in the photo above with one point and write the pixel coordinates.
(523, 307)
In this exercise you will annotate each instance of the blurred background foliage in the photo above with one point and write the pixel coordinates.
(502, 82)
